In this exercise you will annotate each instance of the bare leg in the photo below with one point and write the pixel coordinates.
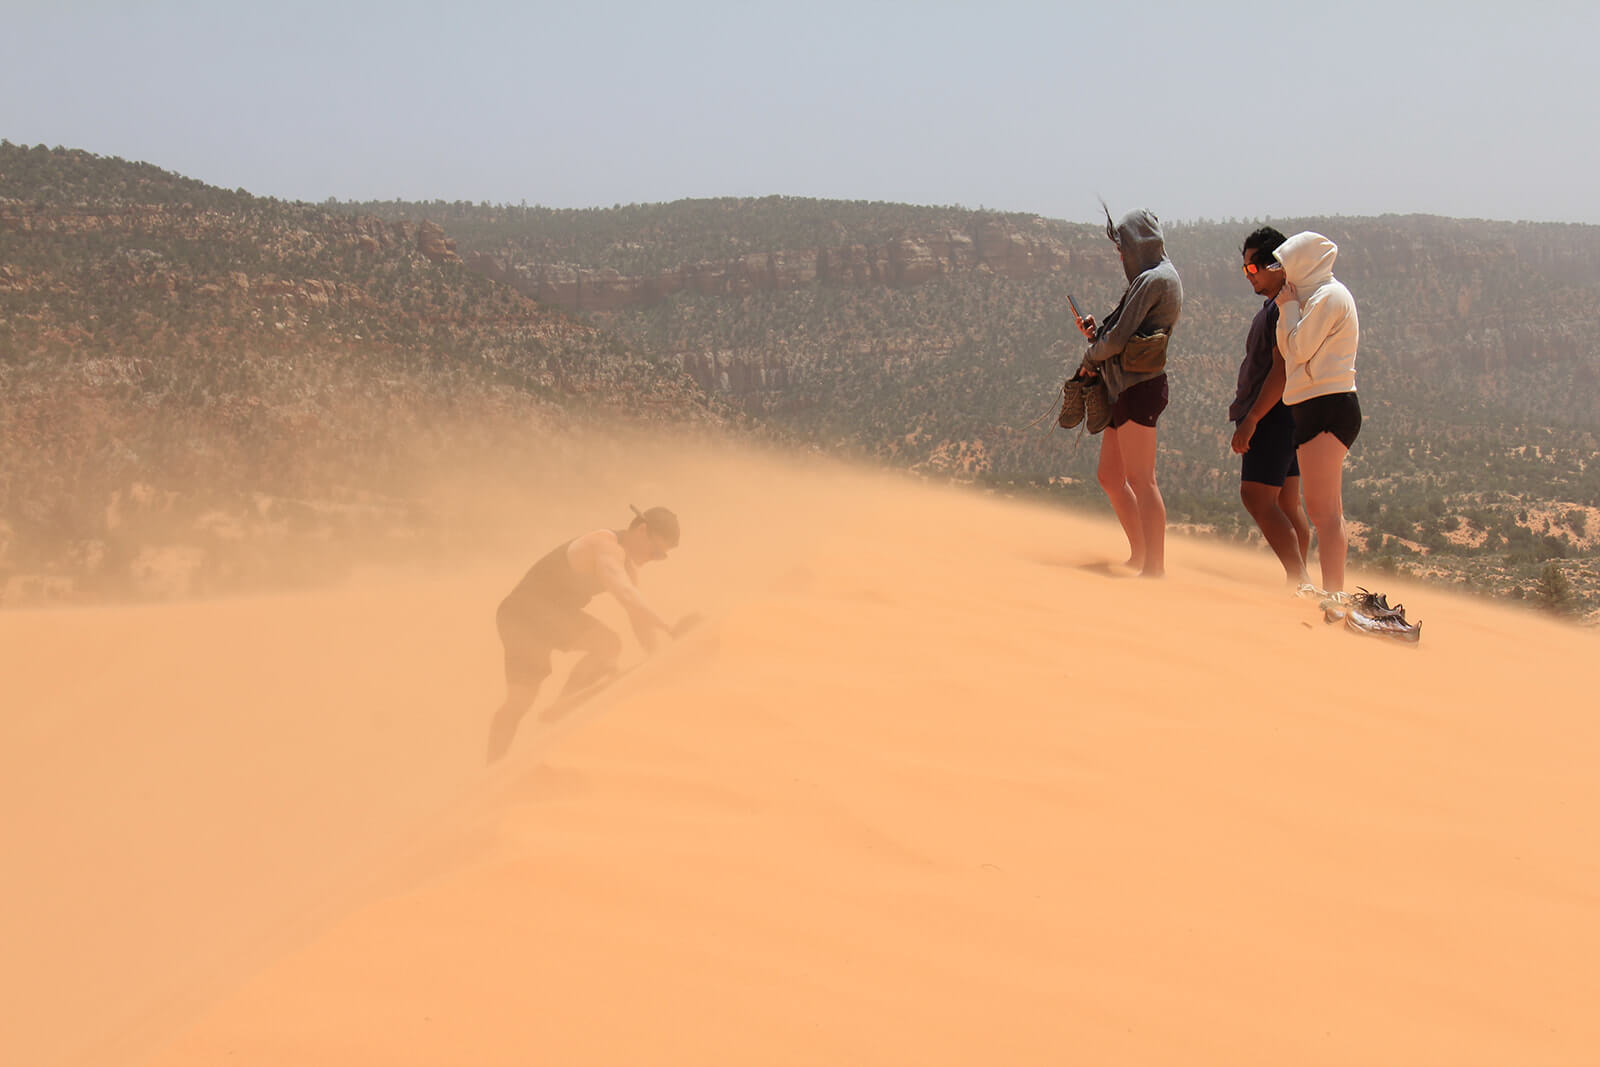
(1137, 445)
(1114, 481)
(1321, 474)
(1289, 501)
(1262, 501)
(503, 728)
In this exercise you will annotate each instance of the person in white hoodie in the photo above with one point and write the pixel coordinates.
(1318, 332)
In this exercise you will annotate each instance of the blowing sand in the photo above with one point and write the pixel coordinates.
(933, 787)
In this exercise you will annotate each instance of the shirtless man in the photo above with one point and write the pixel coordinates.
(545, 612)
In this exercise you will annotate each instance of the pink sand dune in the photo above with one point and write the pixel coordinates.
(931, 788)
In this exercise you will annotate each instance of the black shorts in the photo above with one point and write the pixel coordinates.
(1335, 413)
(1271, 459)
(530, 637)
(1142, 403)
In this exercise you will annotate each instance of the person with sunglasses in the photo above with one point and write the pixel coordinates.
(1318, 333)
(545, 613)
(1128, 351)
(1263, 436)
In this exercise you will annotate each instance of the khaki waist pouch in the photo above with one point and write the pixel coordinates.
(1145, 355)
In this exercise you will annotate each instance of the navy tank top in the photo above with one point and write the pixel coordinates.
(552, 585)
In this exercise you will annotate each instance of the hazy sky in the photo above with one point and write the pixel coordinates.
(1194, 109)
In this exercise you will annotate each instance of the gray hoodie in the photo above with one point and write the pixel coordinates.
(1149, 305)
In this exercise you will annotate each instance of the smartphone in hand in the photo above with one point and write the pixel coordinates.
(1085, 327)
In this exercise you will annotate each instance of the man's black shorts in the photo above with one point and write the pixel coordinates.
(1335, 413)
(529, 638)
(1142, 403)
(1271, 459)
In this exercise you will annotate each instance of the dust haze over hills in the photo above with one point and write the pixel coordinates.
(203, 391)
(932, 785)
(206, 391)
(929, 338)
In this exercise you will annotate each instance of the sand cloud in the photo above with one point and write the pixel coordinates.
(932, 786)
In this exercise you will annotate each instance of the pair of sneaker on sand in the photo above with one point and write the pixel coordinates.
(1365, 613)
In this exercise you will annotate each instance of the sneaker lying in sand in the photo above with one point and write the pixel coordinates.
(1334, 605)
(1377, 604)
(1386, 624)
(1365, 612)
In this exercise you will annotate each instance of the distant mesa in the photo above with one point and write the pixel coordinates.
(991, 245)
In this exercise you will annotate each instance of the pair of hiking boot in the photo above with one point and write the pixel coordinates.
(1084, 399)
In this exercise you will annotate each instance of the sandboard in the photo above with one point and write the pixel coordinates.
(696, 638)
(566, 703)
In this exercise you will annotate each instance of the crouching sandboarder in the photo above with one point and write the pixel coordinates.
(545, 613)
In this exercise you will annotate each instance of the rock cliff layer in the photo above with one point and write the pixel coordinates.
(910, 259)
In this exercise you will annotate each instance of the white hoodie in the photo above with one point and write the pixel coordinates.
(1319, 344)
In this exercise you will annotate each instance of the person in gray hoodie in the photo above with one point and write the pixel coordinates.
(1129, 353)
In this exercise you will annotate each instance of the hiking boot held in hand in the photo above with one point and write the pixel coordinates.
(1071, 403)
(1096, 405)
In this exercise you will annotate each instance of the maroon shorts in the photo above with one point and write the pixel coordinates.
(1142, 403)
